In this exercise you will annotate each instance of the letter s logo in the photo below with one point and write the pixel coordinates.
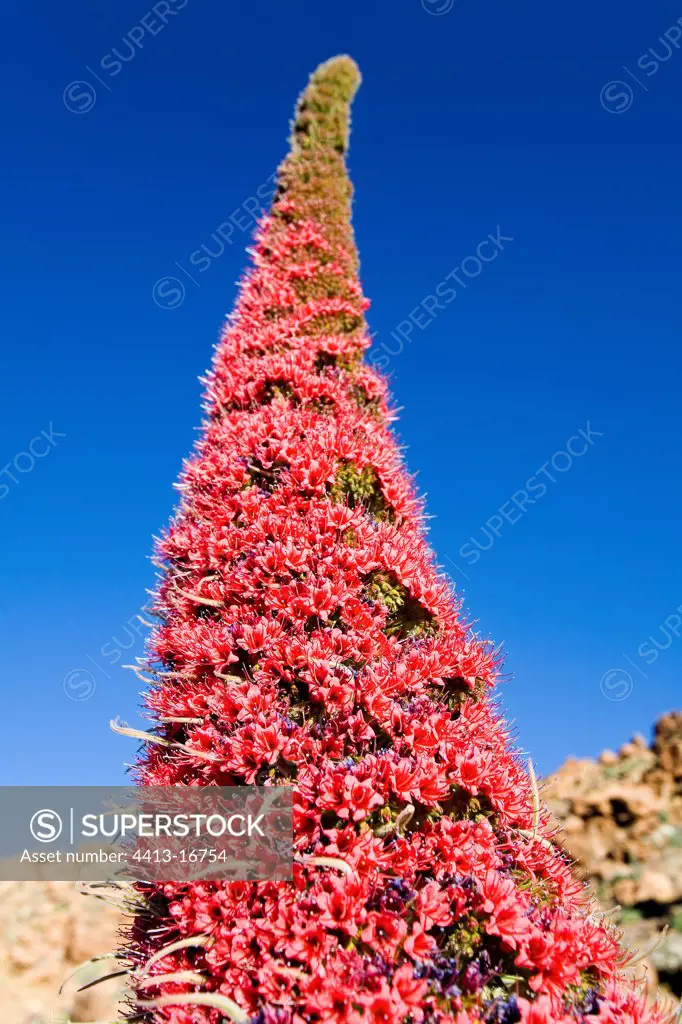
(46, 826)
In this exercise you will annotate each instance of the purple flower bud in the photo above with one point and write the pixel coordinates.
(472, 979)
(504, 1011)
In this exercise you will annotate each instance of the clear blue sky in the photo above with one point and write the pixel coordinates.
(482, 117)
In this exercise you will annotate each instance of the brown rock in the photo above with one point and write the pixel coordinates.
(622, 820)
(625, 892)
(656, 887)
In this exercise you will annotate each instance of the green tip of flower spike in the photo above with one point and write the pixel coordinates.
(323, 109)
(340, 75)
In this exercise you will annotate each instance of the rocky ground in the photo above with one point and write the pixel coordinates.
(46, 930)
(622, 818)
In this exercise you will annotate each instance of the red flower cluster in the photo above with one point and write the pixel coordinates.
(308, 639)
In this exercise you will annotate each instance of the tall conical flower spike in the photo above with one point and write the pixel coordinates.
(307, 639)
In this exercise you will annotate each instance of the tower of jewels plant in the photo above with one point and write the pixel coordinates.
(306, 638)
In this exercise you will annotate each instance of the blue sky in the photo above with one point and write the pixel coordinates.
(555, 126)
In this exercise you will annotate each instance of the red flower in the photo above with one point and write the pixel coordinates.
(433, 906)
(507, 909)
(418, 944)
(384, 932)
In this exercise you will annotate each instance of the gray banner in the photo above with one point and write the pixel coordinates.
(128, 833)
